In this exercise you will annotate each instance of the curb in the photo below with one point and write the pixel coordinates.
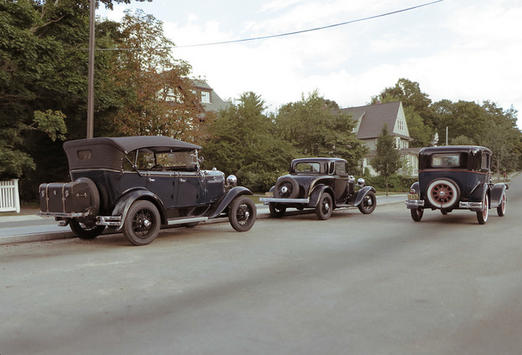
(263, 213)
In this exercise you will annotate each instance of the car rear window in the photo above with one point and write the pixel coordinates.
(446, 160)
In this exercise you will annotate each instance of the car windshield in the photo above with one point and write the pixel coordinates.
(308, 167)
(446, 160)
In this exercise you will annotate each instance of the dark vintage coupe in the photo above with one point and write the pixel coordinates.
(322, 184)
(456, 177)
(138, 184)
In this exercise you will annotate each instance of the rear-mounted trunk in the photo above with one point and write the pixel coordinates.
(69, 198)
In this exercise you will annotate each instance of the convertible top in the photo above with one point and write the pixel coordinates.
(108, 152)
(128, 144)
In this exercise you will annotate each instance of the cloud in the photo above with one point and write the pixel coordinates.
(456, 50)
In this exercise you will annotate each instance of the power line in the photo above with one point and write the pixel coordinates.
(288, 33)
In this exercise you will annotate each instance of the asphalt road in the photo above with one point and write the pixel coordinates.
(355, 284)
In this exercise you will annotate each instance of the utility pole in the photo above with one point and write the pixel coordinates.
(90, 87)
(446, 135)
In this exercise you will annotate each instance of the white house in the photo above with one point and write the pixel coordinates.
(370, 121)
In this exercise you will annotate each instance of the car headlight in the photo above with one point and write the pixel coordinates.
(231, 180)
(361, 182)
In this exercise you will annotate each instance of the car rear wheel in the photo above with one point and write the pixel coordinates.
(416, 214)
(276, 211)
(142, 224)
(368, 203)
(324, 207)
(501, 209)
(482, 216)
(85, 231)
(242, 214)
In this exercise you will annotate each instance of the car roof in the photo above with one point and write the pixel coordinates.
(128, 144)
(318, 159)
(454, 149)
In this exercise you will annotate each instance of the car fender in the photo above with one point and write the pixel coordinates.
(316, 194)
(272, 189)
(415, 187)
(220, 206)
(496, 194)
(126, 200)
(361, 193)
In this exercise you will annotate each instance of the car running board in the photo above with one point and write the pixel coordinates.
(173, 222)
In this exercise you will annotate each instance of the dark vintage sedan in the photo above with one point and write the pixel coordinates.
(322, 184)
(456, 177)
(138, 184)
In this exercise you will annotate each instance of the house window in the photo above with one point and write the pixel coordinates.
(205, 97)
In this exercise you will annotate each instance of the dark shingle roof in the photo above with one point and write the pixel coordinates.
(374, 117)
(216, 103)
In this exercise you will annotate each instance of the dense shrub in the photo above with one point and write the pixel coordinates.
(396, 183)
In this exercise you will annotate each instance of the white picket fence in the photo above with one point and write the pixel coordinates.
(9, 197)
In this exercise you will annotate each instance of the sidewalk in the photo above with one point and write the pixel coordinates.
(33, 228)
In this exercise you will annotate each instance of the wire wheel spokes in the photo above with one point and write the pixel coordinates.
(243, 214)
(143, 222)
(442, 193)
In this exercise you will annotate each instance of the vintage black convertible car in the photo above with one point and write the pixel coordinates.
(456, 177)
(322, 184)
(138, 184)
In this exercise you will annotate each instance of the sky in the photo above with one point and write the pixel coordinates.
(455, 49)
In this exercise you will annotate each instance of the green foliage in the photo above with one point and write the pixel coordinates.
(396, 183)
(51, 123)
(387, 160)
(462, 140)
(244, 143)
(316, 127)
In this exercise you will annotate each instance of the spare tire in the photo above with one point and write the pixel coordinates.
(94, 195)
(286, 187)
(443, 193)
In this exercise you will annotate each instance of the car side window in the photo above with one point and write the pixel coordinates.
(485, 161)
(340, 168)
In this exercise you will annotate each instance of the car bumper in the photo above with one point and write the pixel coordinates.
(471, 205)
(267, 200)
(411, 204)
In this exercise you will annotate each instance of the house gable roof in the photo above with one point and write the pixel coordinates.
(371, 119)
(216, 103)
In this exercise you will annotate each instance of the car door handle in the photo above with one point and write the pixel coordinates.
(152, 180)
(182, 180)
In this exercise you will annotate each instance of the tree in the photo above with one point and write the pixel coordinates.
(415, 104)
(160, 98)
(410, 94)
(43, 80)
(316, 126)
(244, 142)
(462, 140)
(388, 159)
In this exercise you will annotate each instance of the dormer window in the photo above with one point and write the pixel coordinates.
(205, 97)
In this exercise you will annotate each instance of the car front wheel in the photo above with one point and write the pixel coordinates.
(242, 214)
(368, 203)
(142, 224)
(324, 207)
(276, 211)
(416, 214)
(84, 231)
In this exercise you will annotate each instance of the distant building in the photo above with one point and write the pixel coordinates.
(209, 99)
(369, 122)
